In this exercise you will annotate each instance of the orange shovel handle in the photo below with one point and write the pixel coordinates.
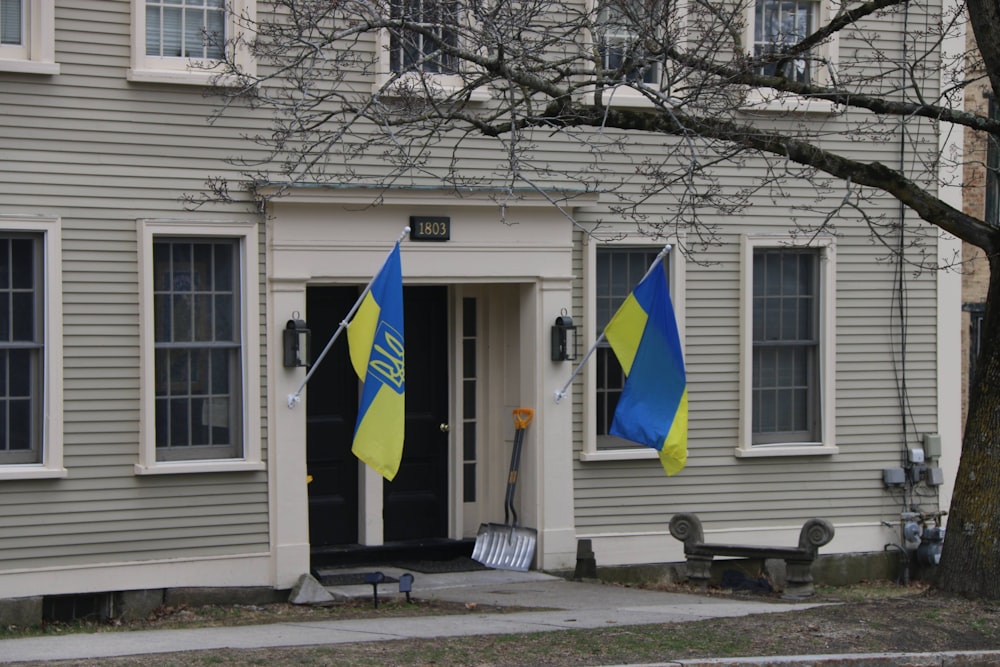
(523, 417)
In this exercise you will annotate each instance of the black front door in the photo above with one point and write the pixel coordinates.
(331, 410)
(416, 501)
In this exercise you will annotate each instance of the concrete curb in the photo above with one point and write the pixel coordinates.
(943, 659)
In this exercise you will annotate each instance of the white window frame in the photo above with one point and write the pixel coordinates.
(190, 71)
(246, 236)
(676, 277)
(386, 80)
(770, 100)
(827, 290)
(627, 93)
(51, 466)
(37, 53)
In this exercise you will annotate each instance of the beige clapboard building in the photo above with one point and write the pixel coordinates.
(146, 435)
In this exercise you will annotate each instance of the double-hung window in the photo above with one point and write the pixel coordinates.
(27, 36)
(778, 25)
(414, 59)
(30, 381)
(788, 341)
(183, 41)
(420, 49)
(620, 41)
(613, 272)
(200, 384)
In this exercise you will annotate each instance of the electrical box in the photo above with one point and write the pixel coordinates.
(915, 455)
(935, 477)
(932, 445)
(893, 476)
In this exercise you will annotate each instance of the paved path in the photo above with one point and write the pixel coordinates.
(573, 605)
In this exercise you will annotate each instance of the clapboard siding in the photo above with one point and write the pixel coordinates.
(101, 153)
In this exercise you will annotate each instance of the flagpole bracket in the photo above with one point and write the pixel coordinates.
(293, 399)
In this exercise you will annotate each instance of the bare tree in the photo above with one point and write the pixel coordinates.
(671, 88)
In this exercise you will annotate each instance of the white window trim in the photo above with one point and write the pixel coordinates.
(52, 395)
(246, 234)
(38, 54)
(386, 81)
(676, 276)
(827, 347)
(189, 71)
(771, 101)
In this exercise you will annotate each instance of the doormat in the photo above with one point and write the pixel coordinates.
(351, 579)
(460, 564)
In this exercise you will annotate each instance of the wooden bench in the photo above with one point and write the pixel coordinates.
(815, 533)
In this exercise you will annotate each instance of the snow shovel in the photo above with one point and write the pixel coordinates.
(506, 546)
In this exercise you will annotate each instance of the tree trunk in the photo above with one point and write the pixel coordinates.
(970, 562)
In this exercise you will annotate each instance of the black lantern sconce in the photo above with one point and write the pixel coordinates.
(564, 338)
(296, 342)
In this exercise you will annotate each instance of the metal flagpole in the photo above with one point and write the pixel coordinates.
(561, 394)
(297, 396)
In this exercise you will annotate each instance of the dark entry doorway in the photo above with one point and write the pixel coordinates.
(415, 503)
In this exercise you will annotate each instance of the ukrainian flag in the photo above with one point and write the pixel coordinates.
(375, 340)
(653, 408)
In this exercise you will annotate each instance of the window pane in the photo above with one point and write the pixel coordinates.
(785, 312)
(21, 348)
(11, 27)
(197, 329)
(778, 24)
(179, 423)
(23, 325)
(22, 262)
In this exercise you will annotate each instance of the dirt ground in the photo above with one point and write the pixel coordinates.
(883, 618)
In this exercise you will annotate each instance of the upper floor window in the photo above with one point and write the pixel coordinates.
(30, 312)
(12, 22)
(420, 51)
(185, 28)
(620, 40)
(789, 337)
(200, 380)
(779, 24)
(183, 41)
(27, 36)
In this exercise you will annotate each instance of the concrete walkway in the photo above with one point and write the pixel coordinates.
(573, 605)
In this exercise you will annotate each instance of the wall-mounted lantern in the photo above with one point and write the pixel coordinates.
(564, 338)
(296, 342)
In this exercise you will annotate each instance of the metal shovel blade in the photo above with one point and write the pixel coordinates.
(505, 547)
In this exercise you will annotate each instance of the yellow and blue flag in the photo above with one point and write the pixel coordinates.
(653, 407)
(375, 340)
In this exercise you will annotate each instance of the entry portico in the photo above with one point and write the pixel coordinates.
(505, 276)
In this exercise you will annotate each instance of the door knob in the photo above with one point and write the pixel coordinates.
(445, 428)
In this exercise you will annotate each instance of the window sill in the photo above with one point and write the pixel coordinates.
(32, 472)
(184, 467)
(620, 454)
(440, 85)
(623, 96)
(182, 77)
(28, 67)
(786, 450)
(778, 102)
